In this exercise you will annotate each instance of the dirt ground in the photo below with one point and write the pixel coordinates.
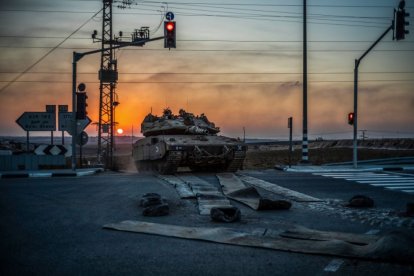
(258, 159)
(323, 152)
(262, 156)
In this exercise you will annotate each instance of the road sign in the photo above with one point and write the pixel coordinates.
(53, 150)
(169, 16)
(51, 108)
(82, 138)
(63, 108)
(65, 122)
(37, 121)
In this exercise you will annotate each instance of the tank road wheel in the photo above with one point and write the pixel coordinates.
(237, 162)
(169, 164)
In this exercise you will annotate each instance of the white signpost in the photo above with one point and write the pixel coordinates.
(65, 123)
(37, 121)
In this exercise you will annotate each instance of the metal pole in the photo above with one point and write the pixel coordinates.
(74, 111)
(27, 141)
(357, 62)
(63, 137)
(51, 137)
(355, 143)
(305, 90)
(290, 124)
(80, 154)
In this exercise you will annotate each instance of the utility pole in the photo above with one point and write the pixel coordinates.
(290, 126)
(108, 76)
(305, 157)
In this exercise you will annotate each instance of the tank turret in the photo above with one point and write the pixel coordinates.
(183, 123)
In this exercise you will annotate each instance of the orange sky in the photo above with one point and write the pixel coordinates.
(240, 72)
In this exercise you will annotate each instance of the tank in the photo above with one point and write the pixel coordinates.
(184, 140)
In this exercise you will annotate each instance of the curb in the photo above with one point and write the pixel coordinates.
(50, 174)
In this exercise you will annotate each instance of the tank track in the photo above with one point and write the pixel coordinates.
(237, 162)
(167, 165)
(170, 164)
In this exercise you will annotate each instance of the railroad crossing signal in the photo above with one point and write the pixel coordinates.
(169, 34)
(351, 118)
(400, 22)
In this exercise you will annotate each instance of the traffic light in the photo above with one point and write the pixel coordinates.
(351, 118)
(81, 105)
(400, 21)
(169, 34)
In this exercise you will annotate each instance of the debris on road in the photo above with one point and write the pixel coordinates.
(208, 196)
(360, 201)
(225, 214)
(396, 246)
(154, 205)
(268, 204)
(235, 189)
(274, 188)
(182, 188)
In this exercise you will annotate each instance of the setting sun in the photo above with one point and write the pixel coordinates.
(120, 131)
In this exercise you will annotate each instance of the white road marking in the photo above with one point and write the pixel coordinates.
(390, 184)
(400, 187)
(383, 180)
(373, 178)
(373, 232)
(334, 265)
(386, 181)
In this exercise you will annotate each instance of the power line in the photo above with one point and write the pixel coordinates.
(213, 40)
(269, 5)
(213, 73)
(45, 55)
(294, 82)
(272, 13)
(243, 16)
(215, 50)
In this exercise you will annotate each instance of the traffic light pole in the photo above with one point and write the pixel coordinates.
(357, 63)
(305, 148)
(75, 59)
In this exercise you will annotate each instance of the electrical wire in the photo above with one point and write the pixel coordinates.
(243, 15)
(213, 40)
(218, 82)
(215, 73)
(218, 50)
(48, 53)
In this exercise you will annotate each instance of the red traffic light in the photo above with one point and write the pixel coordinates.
(351, 118)
(169, 34)
(170, 26)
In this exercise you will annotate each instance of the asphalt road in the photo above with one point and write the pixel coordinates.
(53, 226)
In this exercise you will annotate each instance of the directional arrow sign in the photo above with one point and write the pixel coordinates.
(53, 150)
(37, 121)
(65, 123)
